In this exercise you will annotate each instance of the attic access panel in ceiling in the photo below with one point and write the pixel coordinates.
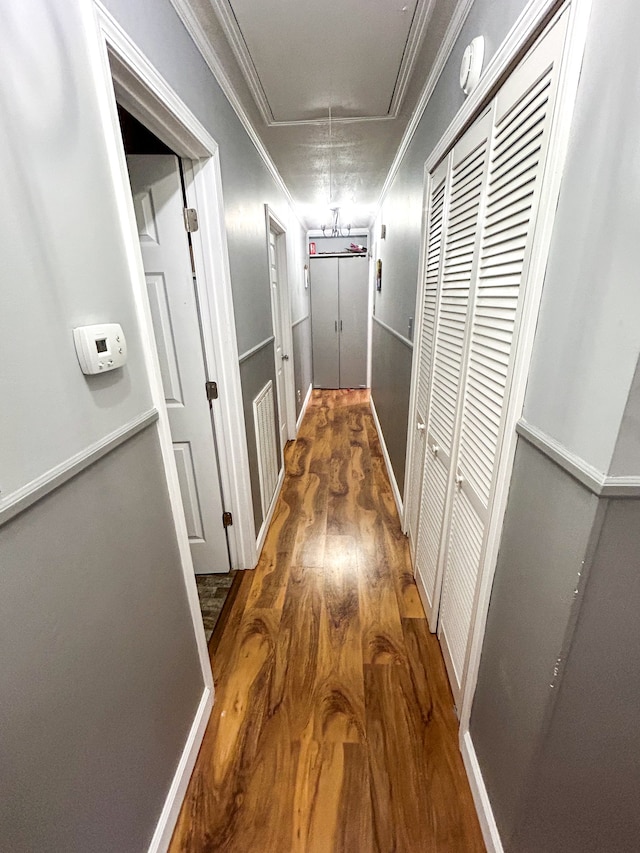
(301, 57)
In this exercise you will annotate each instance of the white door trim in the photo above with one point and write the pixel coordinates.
(410, 474)
(275, 224)
(155, 103)
(143, 91)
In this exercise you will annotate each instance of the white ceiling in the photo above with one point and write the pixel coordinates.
(329, 86)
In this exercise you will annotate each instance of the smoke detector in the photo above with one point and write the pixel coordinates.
(471, 65)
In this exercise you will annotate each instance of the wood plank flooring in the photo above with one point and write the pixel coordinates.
(333, 727)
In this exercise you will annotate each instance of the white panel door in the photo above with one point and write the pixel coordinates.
(520, 139)
(280, 355)
(466, 182)
(157, 194)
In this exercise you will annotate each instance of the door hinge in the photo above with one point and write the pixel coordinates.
(212, 390)
(191, 219)
(227, 519)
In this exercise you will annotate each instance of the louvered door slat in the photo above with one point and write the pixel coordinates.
(523, 110)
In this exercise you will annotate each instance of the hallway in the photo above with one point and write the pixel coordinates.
(333, 727)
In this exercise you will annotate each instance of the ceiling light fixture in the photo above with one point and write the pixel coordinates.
(335, 228)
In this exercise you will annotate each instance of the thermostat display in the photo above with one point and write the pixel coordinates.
(100, 348)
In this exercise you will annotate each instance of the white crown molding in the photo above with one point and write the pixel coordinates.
(421, 19)
(235, 38)
(450, 37)
(199, 37)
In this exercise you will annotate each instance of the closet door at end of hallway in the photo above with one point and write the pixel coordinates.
(324, 323)
(524, 108)
(352, 323)
(435, 226)
(466, 185)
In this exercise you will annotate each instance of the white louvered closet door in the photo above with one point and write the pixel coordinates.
(520, 138)
(468, 169)
(432, 269)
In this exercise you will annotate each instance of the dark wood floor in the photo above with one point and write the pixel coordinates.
(333, 726)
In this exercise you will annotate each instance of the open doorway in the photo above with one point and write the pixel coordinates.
(158, 179)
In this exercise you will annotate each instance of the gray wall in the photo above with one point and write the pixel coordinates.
(555, 713)
(255, 372)
(544, 546)
(247, 186)
(585, 793)
(392, 408)
(587, 339)
(402, 214)
(100, 677)
(303, 366)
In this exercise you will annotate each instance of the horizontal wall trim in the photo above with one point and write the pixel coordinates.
(251, 352)
(37, 489)
(301, 320)
(393, 332)
(597, 482)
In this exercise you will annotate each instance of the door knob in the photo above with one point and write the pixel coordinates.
(434, 449)
(421, 427)
(459, 479)
(285, 358)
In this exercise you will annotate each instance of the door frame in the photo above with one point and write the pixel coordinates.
(140, 88)
(275, 224)
(144, 92)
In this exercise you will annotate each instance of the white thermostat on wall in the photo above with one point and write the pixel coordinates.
(101, 347)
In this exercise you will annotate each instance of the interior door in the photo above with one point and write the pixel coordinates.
(280, 355)
(352, 321)
(324, 323)
(524, 108)
(467, 177)
(158, 201)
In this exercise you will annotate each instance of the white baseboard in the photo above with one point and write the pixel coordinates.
(385, 453)
(171, 809)
(304, 407)
(480, 796)
(262, 535)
